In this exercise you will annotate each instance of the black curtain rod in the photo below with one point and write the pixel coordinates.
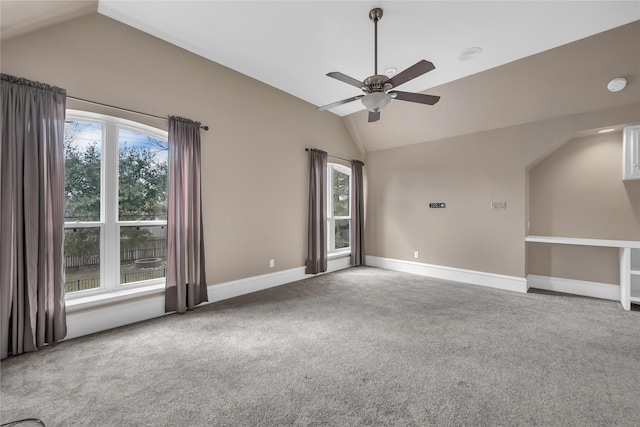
(125, 109)
(329, 155)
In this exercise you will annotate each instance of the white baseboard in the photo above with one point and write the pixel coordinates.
(492, 280)
(248, 285)
(112, 316)
(575, 287)
(122, 313)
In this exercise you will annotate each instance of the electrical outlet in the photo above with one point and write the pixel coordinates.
(499, 205)
(437, 205)
(416, 254)
(272, 263)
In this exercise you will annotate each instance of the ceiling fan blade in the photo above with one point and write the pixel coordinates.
(346, 79)
(335, 104)
(411, 73)
(374, 117)
(416, 97)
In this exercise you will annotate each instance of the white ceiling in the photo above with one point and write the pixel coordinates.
(291, 45)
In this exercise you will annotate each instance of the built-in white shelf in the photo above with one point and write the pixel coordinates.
(585, 241)
(629, 262)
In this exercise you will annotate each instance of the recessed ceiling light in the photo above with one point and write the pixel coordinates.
(390, 71)
(606, 130)
(616, 85)
(469, 53)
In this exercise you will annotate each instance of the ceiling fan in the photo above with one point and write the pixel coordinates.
(379, 90)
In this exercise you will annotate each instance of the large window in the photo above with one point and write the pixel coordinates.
(115, 203)
(338, 208)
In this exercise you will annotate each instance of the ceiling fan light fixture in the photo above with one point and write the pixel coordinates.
(376, 101)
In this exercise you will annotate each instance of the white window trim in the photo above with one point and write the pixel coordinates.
(331, 252)
(110, 289)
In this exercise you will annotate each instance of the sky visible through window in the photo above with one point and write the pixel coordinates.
(141, 141)
(85, 134)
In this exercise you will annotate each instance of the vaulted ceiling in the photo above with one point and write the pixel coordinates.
(538, 60)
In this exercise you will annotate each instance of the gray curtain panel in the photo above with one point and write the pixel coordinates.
(31, 215)
(357, 213)
(317, 223)
(186, 285)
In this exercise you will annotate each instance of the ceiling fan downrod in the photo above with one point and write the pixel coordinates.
(375, 15)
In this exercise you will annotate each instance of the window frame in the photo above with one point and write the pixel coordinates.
(331, 244)
(109, 223)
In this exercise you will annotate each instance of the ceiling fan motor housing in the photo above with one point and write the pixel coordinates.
(377, 83)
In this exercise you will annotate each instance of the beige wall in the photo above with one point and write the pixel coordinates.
(254, 164)
(467, 173)
(577, 191)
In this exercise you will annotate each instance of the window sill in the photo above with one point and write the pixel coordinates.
(339, 254)
(96, 301)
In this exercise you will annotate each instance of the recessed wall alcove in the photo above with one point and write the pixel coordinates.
(577, 191)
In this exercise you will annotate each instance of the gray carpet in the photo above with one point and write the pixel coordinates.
(362, 346)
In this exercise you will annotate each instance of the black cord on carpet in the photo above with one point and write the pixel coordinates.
(15, 423)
